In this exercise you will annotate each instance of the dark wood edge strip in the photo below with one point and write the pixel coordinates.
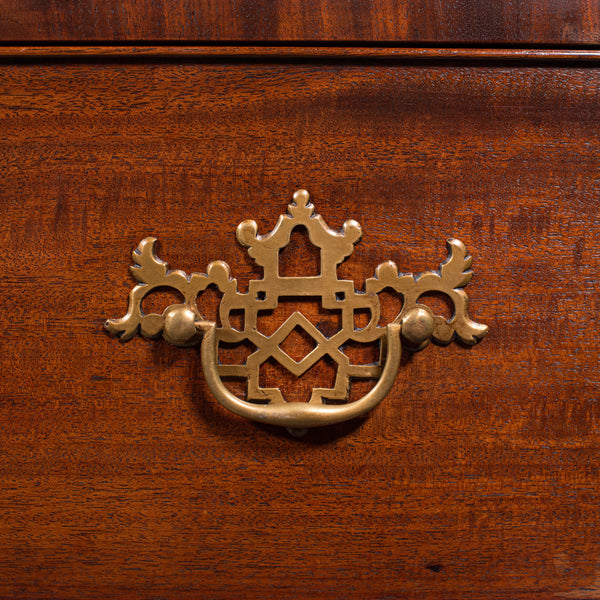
(296, 52)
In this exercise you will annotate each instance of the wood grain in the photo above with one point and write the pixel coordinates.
(568, 22)
(305, 53)
(121, 476)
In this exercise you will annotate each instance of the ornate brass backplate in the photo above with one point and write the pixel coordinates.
(183, 325)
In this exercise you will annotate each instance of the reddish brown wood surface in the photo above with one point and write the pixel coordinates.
(388, 54)
(121, 476)
(400, 21)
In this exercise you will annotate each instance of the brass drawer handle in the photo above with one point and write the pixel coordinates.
(183, 325)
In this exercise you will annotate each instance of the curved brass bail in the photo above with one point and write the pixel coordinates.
(299, 415)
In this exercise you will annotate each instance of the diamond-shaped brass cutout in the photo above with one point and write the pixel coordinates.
(298, 344)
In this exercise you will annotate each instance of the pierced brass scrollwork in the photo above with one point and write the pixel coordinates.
(183, 325)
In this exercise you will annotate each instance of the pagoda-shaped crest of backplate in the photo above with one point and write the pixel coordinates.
(335, 246)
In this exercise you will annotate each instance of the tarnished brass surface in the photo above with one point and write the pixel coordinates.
(183, 325)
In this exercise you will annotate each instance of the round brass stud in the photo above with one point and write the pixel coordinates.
(180, 326)
(417, 326)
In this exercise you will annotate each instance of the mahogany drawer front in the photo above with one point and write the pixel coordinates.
(475, 478)
(484, 22)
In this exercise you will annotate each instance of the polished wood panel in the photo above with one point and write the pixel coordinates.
(121, 476)
(252, 53)
(455, 21)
